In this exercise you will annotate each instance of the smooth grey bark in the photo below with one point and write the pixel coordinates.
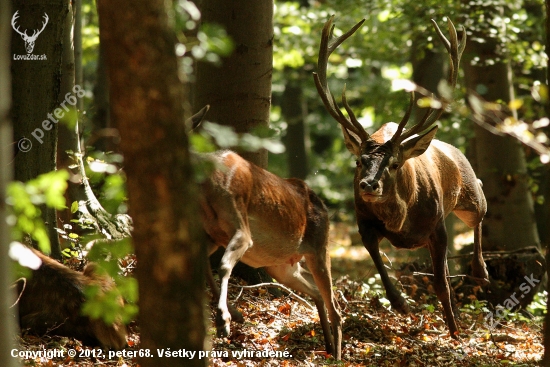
(68, 137)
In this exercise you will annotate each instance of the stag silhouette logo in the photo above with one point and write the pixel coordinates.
(29, 40)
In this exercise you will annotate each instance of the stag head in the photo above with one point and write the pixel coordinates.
(29, 40)
(381, 155)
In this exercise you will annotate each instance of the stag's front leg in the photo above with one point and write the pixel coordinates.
(370, 241)
(240, 242)
(438, 251)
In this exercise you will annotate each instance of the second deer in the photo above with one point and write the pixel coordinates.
(266, 221)
(406, 182)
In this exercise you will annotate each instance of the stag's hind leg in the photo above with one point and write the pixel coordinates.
(471, 209)
(473, 220)
(479, 269)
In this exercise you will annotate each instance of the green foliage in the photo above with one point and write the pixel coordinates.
(394, 33)
(209, 43)
(105, 305)
(429, 307)
(476, 308)
(108, 180)
(536, 310)
(539, 305)
(213, 136)
(25, 200)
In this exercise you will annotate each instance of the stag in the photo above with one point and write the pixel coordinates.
(406, 182)
(266, 221)
(29, 40)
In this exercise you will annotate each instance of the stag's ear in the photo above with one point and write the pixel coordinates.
(192, 122)
(352, 141)
(418, 145)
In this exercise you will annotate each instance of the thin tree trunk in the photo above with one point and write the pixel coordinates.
(7, 317)
(147, 107)
(239, 92)
(68, 139)
(101, 117)
(293, 110)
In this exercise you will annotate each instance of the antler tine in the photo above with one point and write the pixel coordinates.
(352, 117)
(325, 50)
(455, 50)
(404, 120)
(420, 126)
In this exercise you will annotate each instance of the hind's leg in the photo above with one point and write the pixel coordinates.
(299, 279)
(240, 242)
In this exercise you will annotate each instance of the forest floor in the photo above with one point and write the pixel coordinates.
(283, 331)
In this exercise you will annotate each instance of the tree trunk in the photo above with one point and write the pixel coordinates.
(101, 117)
(7, 317)
(68, 139)
(509, 224)
(510, 220)
(239, 92)
(546, 359)
(294, 111)
(147, 107)
(36, 85)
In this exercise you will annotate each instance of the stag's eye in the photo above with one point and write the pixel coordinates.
(358, 163)
(395, 166)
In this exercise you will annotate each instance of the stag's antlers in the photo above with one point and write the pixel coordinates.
(326, 48)
(454, 48)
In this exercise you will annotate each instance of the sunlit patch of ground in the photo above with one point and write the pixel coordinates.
(373, 335)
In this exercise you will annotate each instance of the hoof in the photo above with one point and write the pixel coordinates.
(480, 273)
(481, 281)
(222, 326)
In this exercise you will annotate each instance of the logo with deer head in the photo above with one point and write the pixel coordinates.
(29, 40)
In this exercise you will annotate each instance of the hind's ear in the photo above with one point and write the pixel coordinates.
(195, 120)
